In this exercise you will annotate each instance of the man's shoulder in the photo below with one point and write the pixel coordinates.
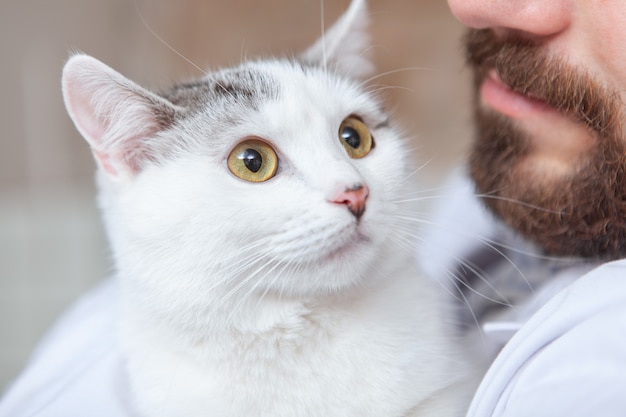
(569, 358)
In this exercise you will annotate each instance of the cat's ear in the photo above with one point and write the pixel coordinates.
(114, 115)
(345, 46)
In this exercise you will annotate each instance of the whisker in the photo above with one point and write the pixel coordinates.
(257, 284)
(465, 264)
(244, 261)
(407, 244)
(174, 50)
(417, 198)
(259, 275)
(248, 262)
(416, 170)
(428, 190)
(406, 69)
(518, 202)
(454, 279)
(243, 54)
(482, 239)
(374, 89)
(242, 284)
(479, 196)
(323, 30)
(493, 245)
(163, 41)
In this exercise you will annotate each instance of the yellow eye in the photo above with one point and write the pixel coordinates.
(253, 160)
(355, 137)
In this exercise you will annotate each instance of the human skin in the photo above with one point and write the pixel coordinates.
(548, 169)
(591, 33)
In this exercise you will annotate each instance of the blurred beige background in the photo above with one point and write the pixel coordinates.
(51, 243)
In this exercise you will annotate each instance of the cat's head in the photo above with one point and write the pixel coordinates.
(277, 176)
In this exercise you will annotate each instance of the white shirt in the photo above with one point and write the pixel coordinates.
(76, 370)
(568, 359)
(560, 347)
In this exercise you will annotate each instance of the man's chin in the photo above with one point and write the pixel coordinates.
(568, 208)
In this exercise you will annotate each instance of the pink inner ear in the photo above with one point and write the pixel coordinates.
(112, 113)
(78, 101)
(105, 163)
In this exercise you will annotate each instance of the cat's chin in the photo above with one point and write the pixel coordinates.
(348, 251)
(337, 269)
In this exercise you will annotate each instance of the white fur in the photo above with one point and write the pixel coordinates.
(267, 299)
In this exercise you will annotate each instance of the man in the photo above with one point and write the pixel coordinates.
(547, 279)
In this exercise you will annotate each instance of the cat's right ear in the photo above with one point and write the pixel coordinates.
(115, 116)
(346, 45)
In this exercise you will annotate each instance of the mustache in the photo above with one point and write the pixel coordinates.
(528, 69)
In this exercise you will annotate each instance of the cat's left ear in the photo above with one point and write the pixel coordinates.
(118, 118)
(345, 46)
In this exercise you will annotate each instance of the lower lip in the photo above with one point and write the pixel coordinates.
(502, 99)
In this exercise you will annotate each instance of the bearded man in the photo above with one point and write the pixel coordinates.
(537, 237)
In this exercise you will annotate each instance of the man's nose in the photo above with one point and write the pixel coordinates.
(533, 18)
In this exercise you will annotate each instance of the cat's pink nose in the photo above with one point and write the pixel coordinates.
(354, 198)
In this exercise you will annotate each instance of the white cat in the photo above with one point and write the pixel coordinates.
(255, 220)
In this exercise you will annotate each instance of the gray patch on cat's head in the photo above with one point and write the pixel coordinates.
(208, 105)
(232, 88)
(212, 108)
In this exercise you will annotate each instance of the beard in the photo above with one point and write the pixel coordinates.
(579, 213)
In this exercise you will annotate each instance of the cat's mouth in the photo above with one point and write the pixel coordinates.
(320, 241)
